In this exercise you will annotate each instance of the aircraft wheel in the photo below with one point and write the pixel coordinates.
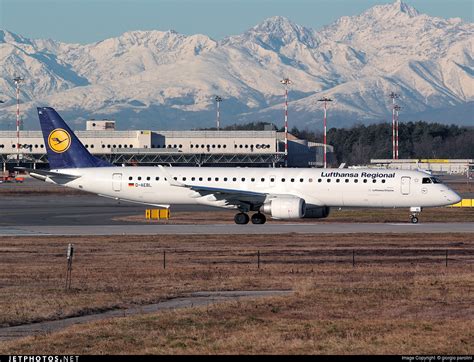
(258, 219)
(241, 218)
(414, 220)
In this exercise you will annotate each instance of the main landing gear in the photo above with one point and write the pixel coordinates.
(414, 214)
(242, 218)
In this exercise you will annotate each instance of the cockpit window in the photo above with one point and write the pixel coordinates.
(436, 180)
(426, 180)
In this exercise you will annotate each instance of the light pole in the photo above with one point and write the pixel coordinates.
(17, 81)
(286, 82)
(393, 96)
(325, 100)
(218, 101)
(397, 108)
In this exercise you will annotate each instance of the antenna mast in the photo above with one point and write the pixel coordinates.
(286, 82)
(218, 100)
(17, 81)
(325, 100)
(394, 126)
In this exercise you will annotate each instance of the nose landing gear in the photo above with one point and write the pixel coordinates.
(414, 214)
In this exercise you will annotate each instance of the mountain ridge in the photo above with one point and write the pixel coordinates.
(158, 79)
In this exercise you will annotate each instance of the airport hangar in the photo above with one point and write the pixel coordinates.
(178, 148)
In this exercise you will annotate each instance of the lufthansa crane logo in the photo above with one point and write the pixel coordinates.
(59, 140)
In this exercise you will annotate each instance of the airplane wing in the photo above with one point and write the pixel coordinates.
(224, 197)
(230, 198)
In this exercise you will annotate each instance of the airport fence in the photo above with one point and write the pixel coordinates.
(349, 256)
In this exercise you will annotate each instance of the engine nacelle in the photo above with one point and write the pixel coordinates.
(285, 208)
(317, 212)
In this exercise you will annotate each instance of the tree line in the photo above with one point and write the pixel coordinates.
(360, 143)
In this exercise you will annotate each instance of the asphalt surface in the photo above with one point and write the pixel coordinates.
(80, 209)
(232, 229)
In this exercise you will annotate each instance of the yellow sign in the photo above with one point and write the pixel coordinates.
(59, 140)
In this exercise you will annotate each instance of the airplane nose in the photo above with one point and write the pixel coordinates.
(455, 197)
(450, 196)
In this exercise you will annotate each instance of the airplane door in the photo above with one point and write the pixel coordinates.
(405, 185)
(117, 181)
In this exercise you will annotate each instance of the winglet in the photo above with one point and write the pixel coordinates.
(171, 180)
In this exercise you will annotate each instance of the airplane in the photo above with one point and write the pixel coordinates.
(282, 193)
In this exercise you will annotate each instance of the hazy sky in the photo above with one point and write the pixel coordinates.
(86, 21)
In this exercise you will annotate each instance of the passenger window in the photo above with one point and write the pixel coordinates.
(184, 178)
(319, 180)
(217, 179)
(157, 178)
(225, 178)
(262, 179)
(282, 180)
(130, 178)
(365, 181)
(293, 180)
(139, 178)
(356, 180)
(301, 180)
(209, 178)
(383, 181)
(337, 180)
(200, 178)
(148, 178)
(243, 179)
(193, 178)
(234, 179)
(328, 180)
(310, 180)
(347, 180)
(426, 180)
(272, 180)
(374, 181)
(252, 179)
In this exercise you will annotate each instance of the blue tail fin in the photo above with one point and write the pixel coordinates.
(63, 147)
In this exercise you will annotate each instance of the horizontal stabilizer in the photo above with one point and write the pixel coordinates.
(43, 174)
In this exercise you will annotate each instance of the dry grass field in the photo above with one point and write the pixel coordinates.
(399, 298)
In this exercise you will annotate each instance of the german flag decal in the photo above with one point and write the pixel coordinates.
(131, 184)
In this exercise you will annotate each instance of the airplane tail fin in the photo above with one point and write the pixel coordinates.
(63, 147)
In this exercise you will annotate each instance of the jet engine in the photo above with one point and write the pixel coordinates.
(317, 212)
(285, 208)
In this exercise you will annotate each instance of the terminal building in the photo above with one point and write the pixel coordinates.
(178, 148)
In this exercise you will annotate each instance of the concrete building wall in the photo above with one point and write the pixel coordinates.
(263, 147)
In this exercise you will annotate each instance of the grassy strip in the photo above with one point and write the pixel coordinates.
(335, 310)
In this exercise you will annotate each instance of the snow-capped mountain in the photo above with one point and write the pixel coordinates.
(162, 79)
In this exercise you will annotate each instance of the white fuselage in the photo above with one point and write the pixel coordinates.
(318, 187)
